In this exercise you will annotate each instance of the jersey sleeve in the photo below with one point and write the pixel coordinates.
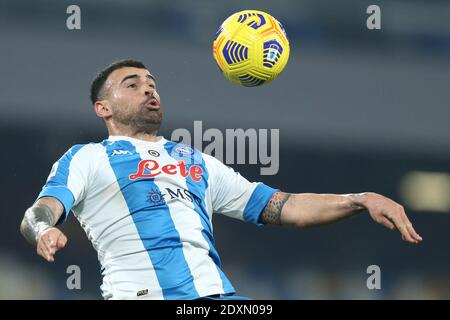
(235, 196)
(68, 179)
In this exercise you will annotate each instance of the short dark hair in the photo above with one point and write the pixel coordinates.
(100, 79)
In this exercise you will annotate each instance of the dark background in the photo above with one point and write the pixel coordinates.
(358, 110)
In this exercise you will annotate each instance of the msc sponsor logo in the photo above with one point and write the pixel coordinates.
(184, 194)
(158, 197)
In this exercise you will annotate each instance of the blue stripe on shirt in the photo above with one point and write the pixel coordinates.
(154, 224)
(198, 189)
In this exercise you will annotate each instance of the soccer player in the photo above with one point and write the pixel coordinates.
(146, 203)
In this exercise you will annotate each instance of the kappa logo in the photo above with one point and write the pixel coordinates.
(142, 292)
(120, 152)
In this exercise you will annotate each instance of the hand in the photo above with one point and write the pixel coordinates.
(50, 241)
(390, 214)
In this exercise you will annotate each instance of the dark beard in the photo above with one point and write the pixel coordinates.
(145, 120)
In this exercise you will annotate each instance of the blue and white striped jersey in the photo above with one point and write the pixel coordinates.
(147, 209)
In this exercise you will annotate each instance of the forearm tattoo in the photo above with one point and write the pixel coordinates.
(272, 211)
(37, 219)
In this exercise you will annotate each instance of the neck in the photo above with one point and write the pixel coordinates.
(148, 135)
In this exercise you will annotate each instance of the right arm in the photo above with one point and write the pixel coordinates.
(38, 227)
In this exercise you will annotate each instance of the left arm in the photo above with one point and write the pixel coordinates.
(310, 209)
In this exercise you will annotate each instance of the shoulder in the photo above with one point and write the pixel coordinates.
(212, 162)
(85, 149)
(83, 152)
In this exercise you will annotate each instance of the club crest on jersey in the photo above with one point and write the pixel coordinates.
(183, 150)
(151, 169)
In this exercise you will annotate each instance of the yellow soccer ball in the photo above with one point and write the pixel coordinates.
(251, 48)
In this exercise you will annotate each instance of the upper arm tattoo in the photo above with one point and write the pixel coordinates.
(272, 211)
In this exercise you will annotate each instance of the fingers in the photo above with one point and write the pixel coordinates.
(405, 233)
(43, 251)
(412, 232)
(405, 227)
(407, 230)
(391, 214)
(62, 240)
(49, 243)
(388, 224)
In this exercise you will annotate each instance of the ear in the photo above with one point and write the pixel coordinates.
(103, 109)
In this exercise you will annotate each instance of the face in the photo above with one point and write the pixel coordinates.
(133, 99)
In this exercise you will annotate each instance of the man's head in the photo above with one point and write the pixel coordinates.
(124, 95)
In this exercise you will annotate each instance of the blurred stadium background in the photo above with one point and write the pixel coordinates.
(358, 110)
